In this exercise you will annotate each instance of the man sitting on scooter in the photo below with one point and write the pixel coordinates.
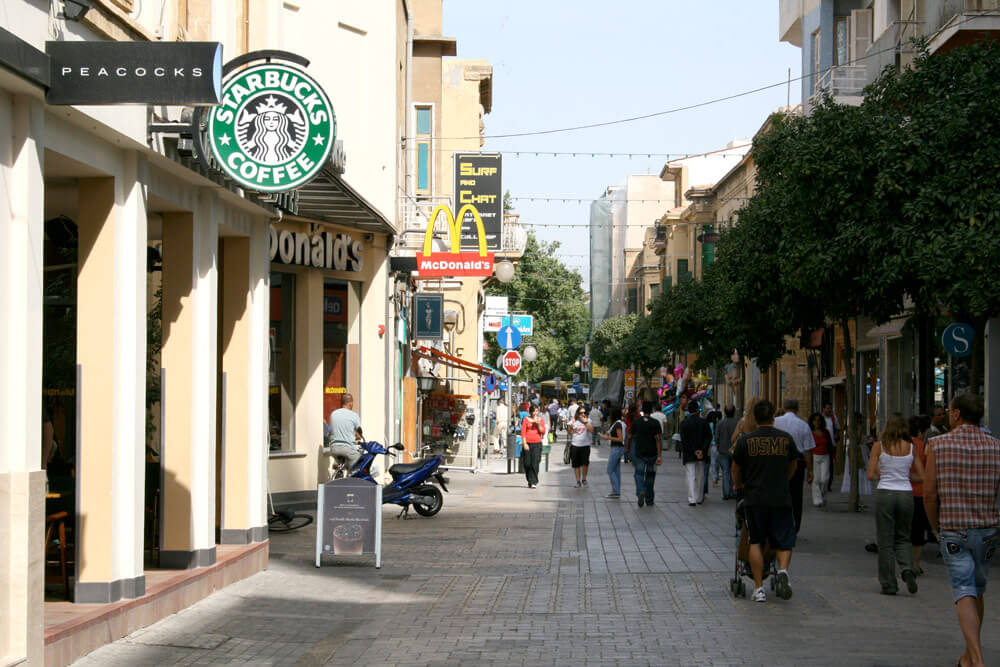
(345, 427)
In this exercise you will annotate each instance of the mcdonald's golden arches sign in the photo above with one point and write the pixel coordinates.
(454, 263)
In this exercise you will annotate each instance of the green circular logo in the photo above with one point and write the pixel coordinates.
(274, 129)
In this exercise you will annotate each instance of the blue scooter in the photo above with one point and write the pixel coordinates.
(410, 481)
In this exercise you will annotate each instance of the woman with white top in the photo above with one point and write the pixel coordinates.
(893, 464)
(579, 451)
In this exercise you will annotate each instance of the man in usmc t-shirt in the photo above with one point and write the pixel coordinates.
(763, 462)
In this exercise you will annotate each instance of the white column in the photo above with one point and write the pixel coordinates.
(257, 429)
(111, 357)
(189, 359)
(22, 482)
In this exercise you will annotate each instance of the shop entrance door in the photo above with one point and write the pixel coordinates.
(334, 345)
(334, 387)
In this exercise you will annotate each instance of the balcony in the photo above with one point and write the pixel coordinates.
(845, 83)
(415, 214)
(955, 23)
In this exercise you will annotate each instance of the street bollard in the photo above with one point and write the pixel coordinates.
(513, 453)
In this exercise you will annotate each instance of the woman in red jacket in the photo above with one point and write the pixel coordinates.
(532, 434)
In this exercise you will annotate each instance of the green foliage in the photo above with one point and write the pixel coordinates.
(938, 151)
(545, 288)
(609, 345)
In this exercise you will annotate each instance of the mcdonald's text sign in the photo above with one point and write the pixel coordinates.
(455, 263)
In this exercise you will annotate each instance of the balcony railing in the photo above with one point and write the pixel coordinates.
(841, 82)
(415, 214)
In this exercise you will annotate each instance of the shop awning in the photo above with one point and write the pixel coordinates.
(329, 198)
(833, 381)
(891, 329)
(450, 361)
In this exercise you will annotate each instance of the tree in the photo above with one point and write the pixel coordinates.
(544, 287)
(938, 149)
(608, 344)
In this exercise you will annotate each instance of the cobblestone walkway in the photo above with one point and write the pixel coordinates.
(505, 575)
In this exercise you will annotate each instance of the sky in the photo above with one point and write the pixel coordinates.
(562, 63)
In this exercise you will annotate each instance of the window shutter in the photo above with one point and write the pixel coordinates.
(861, 34)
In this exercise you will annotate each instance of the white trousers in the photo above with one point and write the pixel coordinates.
(821, 475)
(695, 480)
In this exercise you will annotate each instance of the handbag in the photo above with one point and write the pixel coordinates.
(566, 454)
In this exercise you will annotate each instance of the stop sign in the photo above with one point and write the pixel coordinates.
(511, 362)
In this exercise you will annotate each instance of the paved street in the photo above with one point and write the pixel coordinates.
(510, 576)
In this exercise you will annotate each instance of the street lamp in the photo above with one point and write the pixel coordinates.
(504, 271)
(427, 383)
(530, 353)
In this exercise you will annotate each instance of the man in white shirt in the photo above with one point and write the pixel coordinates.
(795, 426)
(502, 423)
(596, 418)
(571, 412)
(345, 427)
(661, 419)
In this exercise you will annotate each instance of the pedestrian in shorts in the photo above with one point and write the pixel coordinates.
(763, 463)
(960, 495)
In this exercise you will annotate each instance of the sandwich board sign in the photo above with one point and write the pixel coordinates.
(349, 519)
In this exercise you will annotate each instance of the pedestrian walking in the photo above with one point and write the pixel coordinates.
(553, 410)
(579, 451)
(532, 434)
(822, 456)
(724, 432)
(596, 420)
(895, 466)
(763, 462)
(647, 453)
(616, 437)
(939, 421)
(795, 426)
(696, 438)
(833, 426)
(920, 530)
(960, 495)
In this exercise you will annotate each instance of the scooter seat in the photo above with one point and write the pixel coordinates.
(404, 468)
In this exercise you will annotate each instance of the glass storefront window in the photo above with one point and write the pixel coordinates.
(281, 375)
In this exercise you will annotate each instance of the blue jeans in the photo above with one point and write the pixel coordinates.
(645, 476)
(615, 468)
(725, 464)
(967, 554)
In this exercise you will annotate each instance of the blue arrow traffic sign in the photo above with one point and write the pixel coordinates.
(509, 338)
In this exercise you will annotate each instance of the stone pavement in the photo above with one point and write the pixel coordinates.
(557, 575)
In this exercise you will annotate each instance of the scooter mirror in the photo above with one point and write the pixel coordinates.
(398, 446)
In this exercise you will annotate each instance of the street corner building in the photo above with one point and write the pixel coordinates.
(190, 280)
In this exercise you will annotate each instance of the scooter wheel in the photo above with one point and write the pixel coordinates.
(430, 492)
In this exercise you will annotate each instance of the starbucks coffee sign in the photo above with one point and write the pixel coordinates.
(274, 129)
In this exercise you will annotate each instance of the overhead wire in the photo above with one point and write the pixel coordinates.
(687, 107)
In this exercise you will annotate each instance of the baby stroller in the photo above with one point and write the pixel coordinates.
(742, 561)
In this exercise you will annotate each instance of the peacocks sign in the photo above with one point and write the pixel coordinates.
(274, 128)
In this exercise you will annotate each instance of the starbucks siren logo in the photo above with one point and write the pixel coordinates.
(274, 129)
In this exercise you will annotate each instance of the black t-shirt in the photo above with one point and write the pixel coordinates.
(763, 457)
(645, 430)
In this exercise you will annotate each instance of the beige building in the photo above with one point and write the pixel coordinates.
(450, 99)
(165, 362)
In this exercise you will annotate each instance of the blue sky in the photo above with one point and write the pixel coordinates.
(558, 63)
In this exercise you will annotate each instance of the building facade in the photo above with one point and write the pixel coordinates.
(175, 342)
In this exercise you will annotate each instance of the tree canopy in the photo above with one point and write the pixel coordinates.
(544, 287)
